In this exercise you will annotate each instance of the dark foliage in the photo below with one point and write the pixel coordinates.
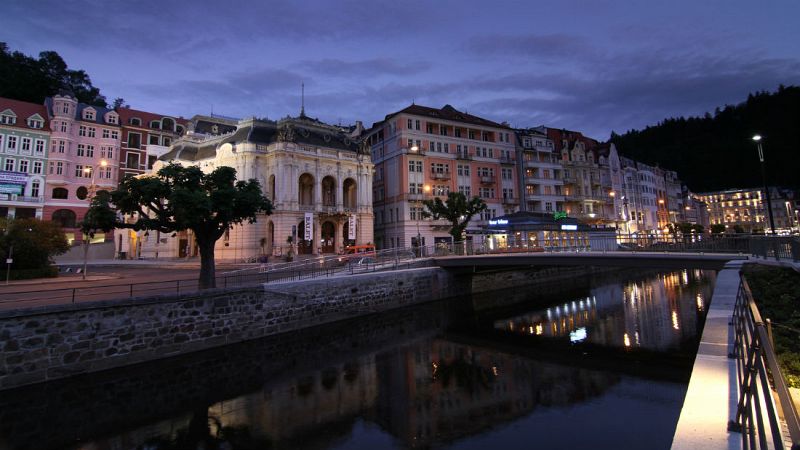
(777, 294)
(34, 242)
(717, 151)
(32, 80)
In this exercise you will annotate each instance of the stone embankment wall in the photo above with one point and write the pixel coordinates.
(48, 343)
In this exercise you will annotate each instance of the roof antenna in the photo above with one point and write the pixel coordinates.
(302, 99)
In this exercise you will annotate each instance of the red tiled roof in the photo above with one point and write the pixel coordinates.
(147, 117)
(446, 113)
(23, 110)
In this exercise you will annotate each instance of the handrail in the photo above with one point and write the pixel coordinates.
(759, 376)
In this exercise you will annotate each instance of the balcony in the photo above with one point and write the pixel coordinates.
(508, 161)
(463, 155)
(21, 198)
(419, 151)
(510, 201)
(415, 197)
(440, 175)
(487, 179)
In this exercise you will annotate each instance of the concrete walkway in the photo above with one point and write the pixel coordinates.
(712, 394)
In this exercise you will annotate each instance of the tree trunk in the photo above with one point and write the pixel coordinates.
(208, 276)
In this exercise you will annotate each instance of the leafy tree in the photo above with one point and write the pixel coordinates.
(119, 102)
(99, 217)
(34, 242)
(179, 198)
(32, 80)
(456, 209)
(717, 228)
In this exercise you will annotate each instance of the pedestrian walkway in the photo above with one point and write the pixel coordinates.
(712, 395)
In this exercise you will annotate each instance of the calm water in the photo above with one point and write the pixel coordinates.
(592, 364)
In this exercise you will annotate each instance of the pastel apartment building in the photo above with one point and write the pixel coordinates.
(421, 153)
(145, 137)
(24, 140)
(83, 159)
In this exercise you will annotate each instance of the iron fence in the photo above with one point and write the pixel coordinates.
(761, 386)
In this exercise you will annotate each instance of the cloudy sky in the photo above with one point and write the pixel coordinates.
(593, 66)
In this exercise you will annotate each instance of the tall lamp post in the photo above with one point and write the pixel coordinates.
(92, 187)
(757, 138)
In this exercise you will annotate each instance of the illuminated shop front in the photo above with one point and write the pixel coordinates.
(533, 231)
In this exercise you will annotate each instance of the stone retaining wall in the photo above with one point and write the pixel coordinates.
(48, 343)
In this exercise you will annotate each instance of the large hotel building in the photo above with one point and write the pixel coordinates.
(421, 152)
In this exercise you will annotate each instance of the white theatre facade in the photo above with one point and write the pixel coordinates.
(318, 177)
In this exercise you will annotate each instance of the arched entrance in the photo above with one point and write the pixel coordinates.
(304, 247)
(328, 237)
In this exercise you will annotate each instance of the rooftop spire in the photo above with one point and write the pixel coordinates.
(302, 99)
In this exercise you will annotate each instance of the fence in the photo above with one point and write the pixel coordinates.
(758, 375)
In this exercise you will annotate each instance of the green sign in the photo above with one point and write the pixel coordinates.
(11, 188)
(558, 215)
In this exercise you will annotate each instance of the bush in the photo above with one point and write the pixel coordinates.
(777, 294)
(27, 274)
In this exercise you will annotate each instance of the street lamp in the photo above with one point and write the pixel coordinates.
(90, 196)
(757, 138)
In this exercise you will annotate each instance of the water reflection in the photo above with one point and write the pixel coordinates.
(657, 313)
(399, 380)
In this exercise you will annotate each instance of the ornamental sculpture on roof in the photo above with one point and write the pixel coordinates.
(285, 132)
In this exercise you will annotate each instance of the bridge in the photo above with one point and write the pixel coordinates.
(476, 263)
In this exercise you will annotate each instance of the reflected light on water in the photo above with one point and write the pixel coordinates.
(675, 320)
(626, 340)
(700, 303)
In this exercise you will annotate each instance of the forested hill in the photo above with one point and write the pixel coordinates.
(717, 151)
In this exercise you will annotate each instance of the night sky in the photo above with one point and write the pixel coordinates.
(592, 66)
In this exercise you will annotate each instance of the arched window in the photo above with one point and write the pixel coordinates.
(81, 193)
(65, 218)
(60, 193)
(328, 191)
(306, 190)
(167, 124)
(135, 121)
(349, 192)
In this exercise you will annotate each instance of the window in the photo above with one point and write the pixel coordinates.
(81, 150)
(135, 121)
(156, 125)
(64, 127)
(60, 193)
(37, 167)
(132, 161)
(106, 133)
(39, 146)
(35, 123)
(114, 134)
(64, 217)
(429, 128)
(11, 144)
(107, 152)
(1, 143)
(508, 193)
(548, 206)
(82, 193)
(441, 189)
(88, 114)
(416, 125)
(23, 165)
(90, 151)
(153, 139)
(82, 130)
(26, 145)
(442, 130)
(79, 171)
(35, 186)
(92, 131)
(59, 168)
(8, 119)
(112, 118)
(62, 145)
(134, 140)
(409, 124)
(466, 190)
(440, 168)
(471, 134)
(10, 164)
(457, 132)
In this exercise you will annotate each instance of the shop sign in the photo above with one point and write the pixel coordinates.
(13, 177)
(6, 188)
(569, 227)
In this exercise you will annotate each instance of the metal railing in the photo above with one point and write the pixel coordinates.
(758, 417)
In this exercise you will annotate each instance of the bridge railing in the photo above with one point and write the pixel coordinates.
(758, 417)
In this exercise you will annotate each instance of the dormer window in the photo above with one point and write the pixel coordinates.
(7, 117)
(89, 114)
(112, 118)
(35, 122)
(135, 121)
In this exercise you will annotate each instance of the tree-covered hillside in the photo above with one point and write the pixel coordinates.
(32, 80)
(717, 151)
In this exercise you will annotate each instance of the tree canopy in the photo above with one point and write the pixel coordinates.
(716, 151)
(184, 198)
(32, 80)
(457, 209)
(35, 242)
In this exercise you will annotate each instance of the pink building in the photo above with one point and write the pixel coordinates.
(420, 153)
(83, 158)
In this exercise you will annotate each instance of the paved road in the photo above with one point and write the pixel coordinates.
(103, 282)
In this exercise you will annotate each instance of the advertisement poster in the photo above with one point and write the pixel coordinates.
(309, 227)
